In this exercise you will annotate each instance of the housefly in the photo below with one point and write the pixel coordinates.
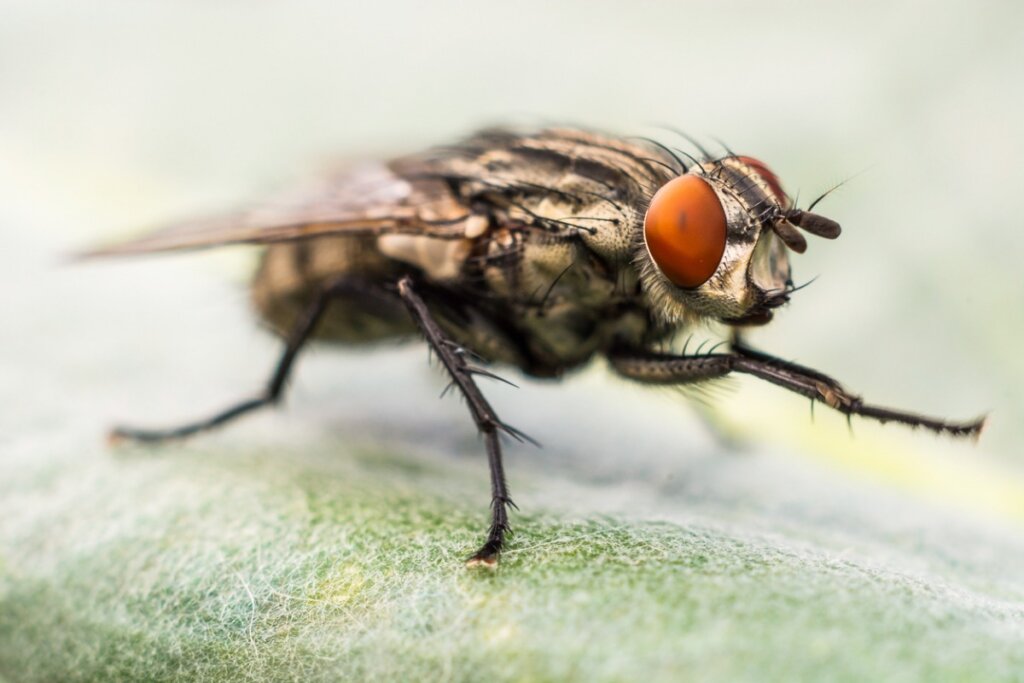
(537, 250)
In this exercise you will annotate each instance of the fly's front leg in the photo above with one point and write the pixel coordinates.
(303, 329)
(667, 369)
(454, 361)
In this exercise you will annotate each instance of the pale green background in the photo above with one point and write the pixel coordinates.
(324, 542)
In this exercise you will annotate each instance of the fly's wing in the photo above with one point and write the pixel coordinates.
(364, 200)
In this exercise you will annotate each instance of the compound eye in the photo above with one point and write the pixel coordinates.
(685, 231)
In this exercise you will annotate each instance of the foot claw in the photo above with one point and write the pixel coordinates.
(487, 557)
(119, 436)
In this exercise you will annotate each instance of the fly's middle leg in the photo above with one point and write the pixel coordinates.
(454, 360)
(302, 329)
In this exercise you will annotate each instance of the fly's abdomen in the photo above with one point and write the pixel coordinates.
(291, 274)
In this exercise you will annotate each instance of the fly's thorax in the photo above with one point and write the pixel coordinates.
(606, 228)
(564, 182)
(614, 234)
(711, 252)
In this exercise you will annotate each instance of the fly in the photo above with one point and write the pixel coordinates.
(539, 251)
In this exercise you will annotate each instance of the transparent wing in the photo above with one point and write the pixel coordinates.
(364, 200)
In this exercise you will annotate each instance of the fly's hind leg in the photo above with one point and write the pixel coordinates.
(461, 372)
(300, 333)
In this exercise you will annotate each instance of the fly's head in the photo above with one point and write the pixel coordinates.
(716, 242)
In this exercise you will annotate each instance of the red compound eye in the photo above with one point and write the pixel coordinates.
(685, 231)
(767, 175)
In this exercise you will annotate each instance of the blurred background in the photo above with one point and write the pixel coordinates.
(117, 116)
